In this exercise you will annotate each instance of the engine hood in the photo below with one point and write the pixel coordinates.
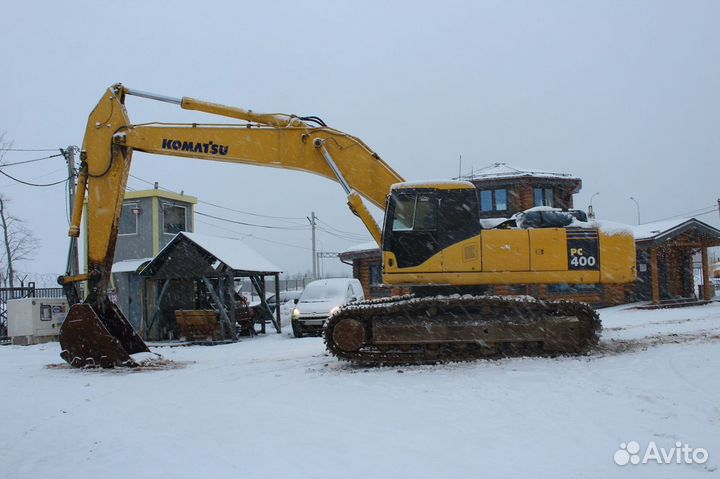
(317, 307)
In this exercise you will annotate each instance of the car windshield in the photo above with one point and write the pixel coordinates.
(323, 291)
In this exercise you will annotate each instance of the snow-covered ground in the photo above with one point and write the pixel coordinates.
(276, 406)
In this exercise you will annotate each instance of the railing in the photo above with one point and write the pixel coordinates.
(29, 291)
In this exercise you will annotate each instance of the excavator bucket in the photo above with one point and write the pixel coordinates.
(91, 337)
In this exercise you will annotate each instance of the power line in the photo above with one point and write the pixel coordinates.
(33, 184)
(251, 236)
(251, 214)
(348, 238)
(278, 242)
(7, 185)
(245, 235)
(220, 218)
(339, 231)
(228, 208)
(706, 213)
(30, 161)
(697, 212)
(28, 149)
(344, 235)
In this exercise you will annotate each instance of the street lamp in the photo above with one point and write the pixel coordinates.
(638, 208)
(591, 213)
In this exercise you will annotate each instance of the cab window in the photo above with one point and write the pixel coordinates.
(415, 213)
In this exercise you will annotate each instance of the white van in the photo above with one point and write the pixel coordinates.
(319, 299)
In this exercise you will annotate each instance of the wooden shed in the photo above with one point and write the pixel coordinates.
(195, 272)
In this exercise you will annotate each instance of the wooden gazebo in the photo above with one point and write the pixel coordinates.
(665, 258)
(195, 272)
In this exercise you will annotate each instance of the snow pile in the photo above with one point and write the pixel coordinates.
(611, 228)
(550, 217)
(146, 358)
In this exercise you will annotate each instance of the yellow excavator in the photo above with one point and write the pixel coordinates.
(432, 242)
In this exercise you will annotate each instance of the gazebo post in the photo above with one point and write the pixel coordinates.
(149, 325)
(221, 309)
(277, 302)
(655, 276)
(230, 285)
(707, 287)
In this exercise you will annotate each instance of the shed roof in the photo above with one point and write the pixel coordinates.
(667, 229)
(362, 250)
(233, 253)
(369, 246)
(129, 265)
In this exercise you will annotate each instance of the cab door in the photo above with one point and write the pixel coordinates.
(411, 231)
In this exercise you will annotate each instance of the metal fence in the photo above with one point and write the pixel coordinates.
(29, 291)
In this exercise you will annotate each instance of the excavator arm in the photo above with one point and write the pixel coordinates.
(273, 140)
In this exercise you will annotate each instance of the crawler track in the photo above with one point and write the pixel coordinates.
(410, 330)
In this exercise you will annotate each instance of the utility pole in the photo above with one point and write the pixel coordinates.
(637, 203)
(718, 206)
(314, 248)
(324, 254)
(73, 263)
(591, 211)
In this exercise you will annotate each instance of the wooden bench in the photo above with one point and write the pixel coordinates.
(198, 324)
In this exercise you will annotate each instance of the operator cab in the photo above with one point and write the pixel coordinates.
(422, 219)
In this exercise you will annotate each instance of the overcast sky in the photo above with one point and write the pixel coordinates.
(621, 94)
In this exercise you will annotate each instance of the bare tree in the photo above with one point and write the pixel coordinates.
(18, 242)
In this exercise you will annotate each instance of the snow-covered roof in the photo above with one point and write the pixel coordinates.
(369, 246)
(503, 170)
(232, 252)
(657, 229)
(129, 265)
(650, 230)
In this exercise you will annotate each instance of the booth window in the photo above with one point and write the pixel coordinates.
(174, 219)
(129, 219)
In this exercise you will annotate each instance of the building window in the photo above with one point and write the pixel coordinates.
(493, 200)
(544, 197)
(375, 274)
(173, 219)
(129, 219)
